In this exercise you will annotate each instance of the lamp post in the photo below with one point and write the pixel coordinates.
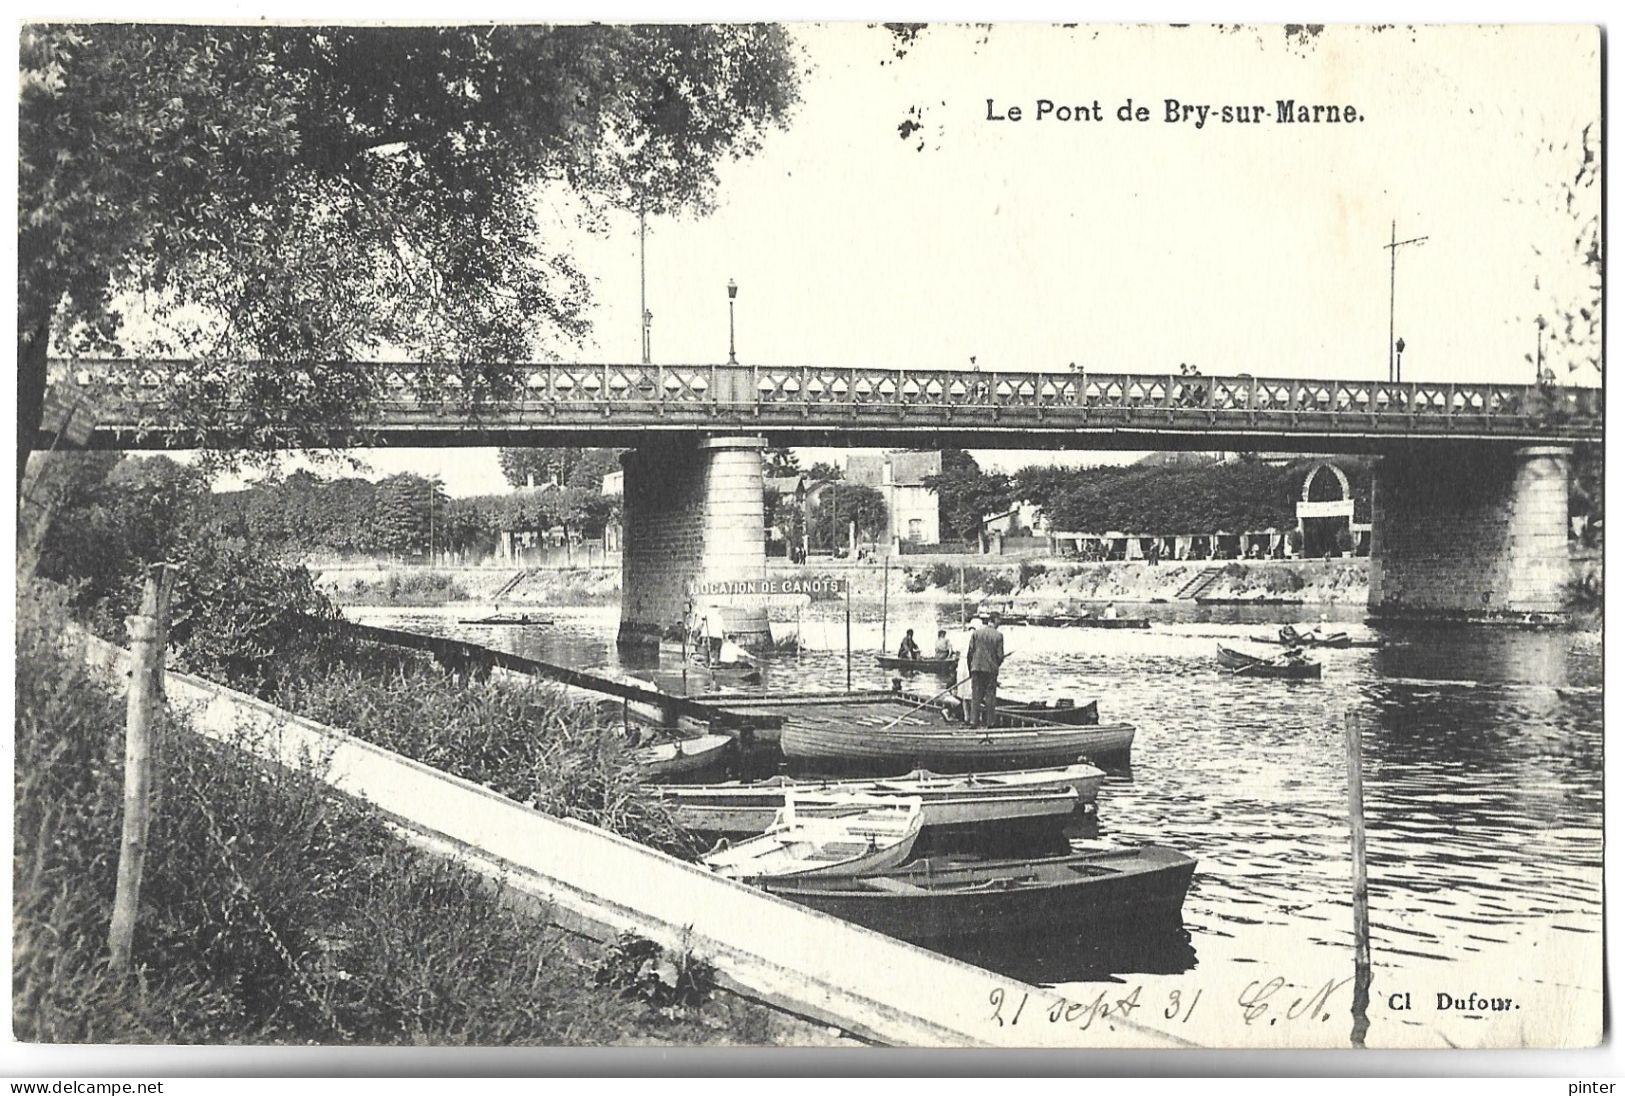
(733, 291)
(1399, 357)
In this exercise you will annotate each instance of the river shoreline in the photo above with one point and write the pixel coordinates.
(1029, 582)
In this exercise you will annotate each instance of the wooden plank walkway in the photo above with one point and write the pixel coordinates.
(458, 653)
(805, 962)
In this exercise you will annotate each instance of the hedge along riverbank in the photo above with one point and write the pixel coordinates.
(274, 911)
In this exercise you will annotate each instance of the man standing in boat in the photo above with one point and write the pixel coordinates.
(983, 657)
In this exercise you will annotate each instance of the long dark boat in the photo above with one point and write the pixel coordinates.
(946, 667)
(1084, 620)
(879, 745)
(1290, 666)
(507, 618)
(1010, 712)
(943, 899)
(1061, 711)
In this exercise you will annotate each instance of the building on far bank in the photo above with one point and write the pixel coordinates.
(911, 506)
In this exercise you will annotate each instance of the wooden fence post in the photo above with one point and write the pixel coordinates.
(1362, 913)
(149, 633)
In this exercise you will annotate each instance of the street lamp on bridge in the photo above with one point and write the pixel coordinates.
(733, 291)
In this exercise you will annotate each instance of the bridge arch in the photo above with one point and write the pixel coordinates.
(1327, 466)
(1326, 525)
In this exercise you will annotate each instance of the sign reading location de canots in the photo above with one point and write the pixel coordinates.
(768, 587)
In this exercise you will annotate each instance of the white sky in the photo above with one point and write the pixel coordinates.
(1122, 246)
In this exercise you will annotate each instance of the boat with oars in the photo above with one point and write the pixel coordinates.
(935, 899)
(1289, 636)
(942, 667)
(820, 835)
(1292, 665)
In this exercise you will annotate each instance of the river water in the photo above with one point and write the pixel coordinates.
(1483, 797)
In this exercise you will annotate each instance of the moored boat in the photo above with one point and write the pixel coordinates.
(682, 756)
(1060, 711)
(821, 835)
(943, 666)
(507, 618)
(933, 899)
(1290, 666)
(1082, 780)
(841, 745)
(958, 803)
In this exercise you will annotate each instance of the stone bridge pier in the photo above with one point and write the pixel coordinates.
(1470, 530)
(691, 513)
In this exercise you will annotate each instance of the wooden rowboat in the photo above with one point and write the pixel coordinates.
(815, 835)
(692, 801)
(1290, 666)
(934, 900)
(840, 745)
(945, 666)
(683, 755)
(1289, 636)
(958, 814)
(956, 803)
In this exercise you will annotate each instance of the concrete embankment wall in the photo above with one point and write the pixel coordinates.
(807, 963)
(1338, 581)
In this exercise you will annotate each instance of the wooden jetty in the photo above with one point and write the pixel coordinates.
(473, 659)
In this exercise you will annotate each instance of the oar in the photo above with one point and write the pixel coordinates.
(925, 703)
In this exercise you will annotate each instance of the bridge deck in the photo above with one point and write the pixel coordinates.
(624, 404)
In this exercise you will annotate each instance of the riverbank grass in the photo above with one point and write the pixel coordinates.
(273, 911)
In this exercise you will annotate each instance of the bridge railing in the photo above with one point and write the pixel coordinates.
(1144, 398)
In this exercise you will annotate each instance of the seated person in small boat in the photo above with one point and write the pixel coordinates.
(1110, 612)
(908, 648)
(944, 648)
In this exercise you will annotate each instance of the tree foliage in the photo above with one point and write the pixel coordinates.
(966, 494)
(780, 460)
(319, 194)
(1234, 497)
(305, 516)
(840, 505)
(584, 469)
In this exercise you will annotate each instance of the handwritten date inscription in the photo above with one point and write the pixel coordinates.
(1260, 1002)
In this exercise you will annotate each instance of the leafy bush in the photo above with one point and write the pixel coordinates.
(237, 607)
(640, 969)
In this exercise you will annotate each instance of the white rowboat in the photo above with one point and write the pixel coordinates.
(825, 835)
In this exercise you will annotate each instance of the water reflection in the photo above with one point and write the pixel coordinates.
(1483, 778)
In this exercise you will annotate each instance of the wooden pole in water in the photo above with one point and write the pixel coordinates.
(798, 631)
(885, 596)
(149, 629)
(849, 634)
(1362, 913)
